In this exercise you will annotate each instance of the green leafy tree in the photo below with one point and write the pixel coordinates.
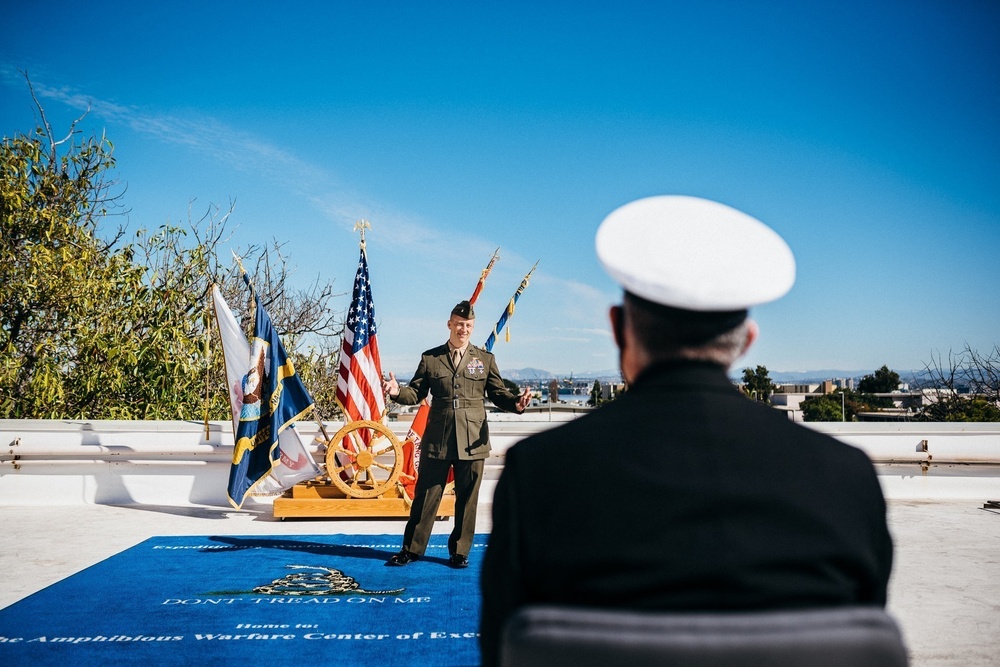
(595, 394)
(757, 384)
(56, 272)
(881, 381)
(828, 408)
(825, 408)
(92, 328)
(95, 328)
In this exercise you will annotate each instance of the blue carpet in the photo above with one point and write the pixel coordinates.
(312, 599)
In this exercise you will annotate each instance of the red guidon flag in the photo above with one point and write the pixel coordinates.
(411, 450)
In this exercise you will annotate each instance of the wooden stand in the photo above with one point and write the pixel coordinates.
(312, 500)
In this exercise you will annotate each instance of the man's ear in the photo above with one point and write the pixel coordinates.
(752, 332)
(617, 315)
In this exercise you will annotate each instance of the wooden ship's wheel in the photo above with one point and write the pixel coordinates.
(364, 459)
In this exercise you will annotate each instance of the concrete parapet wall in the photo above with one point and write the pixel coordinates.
(52, 462)
(916, 442)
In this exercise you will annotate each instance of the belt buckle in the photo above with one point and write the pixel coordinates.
(454, 403)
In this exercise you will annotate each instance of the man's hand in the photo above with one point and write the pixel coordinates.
(524, 399)
(390, 386)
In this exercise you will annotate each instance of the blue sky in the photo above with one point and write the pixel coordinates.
(865, 133)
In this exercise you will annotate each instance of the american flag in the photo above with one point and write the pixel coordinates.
(359, 387)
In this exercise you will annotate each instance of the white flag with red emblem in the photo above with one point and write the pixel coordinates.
(296, 464)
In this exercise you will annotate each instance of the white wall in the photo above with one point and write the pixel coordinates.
(50, 462)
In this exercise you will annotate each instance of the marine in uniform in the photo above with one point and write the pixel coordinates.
(683, 494)
(458, 376)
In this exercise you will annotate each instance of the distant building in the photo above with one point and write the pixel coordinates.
(796, 389)
(844, 383)
(789, 397)
(611, 390)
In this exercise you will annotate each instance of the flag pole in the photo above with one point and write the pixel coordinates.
(208, 358)
(244, 274)
(360, 226)
(238, 261)
(317, 417)
(509, 311)
(482, 277)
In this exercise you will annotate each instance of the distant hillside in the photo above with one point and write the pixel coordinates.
(520, 374)
(736, 373)
(813, 377)
(526, 374)
(805, 377)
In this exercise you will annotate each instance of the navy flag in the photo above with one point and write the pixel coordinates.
(273, 398)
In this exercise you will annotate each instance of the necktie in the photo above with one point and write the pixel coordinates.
(456, 356)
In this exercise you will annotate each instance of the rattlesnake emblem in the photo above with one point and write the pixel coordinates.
(317, 581)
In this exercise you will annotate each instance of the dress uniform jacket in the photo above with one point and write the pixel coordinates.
(456, 426)
(684, 495)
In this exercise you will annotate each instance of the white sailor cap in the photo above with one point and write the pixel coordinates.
(694, 254)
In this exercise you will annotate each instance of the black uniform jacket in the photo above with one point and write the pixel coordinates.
(684, 495)
(456, 425)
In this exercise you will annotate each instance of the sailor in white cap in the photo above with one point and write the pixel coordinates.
(682, 493)
(692, 268)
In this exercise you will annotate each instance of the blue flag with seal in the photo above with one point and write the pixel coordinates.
(273, 398)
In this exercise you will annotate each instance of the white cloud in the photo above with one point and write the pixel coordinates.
(415, 255)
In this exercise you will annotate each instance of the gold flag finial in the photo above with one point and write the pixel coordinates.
(361, 225)
(493, 260)
(238, 261)
(527, 278)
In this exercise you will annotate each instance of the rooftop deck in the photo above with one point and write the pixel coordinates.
(84, 492)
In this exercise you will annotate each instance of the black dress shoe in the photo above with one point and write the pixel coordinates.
(458, 561)
(404, 557)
